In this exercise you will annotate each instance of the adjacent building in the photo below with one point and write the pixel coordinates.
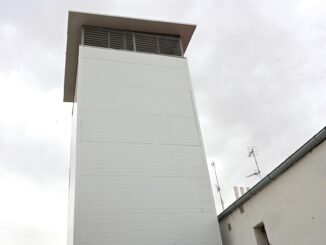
(138, 172)
(285, 207)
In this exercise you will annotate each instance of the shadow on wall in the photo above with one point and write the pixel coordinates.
(261, 235)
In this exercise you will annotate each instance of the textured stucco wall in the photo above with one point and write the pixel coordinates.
(292, 207)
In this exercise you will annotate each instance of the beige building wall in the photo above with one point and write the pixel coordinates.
(292, 207)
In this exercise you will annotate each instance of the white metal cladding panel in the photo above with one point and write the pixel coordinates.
(153, 194)
(117, 127)
(143, 75)
(133, 57)
(142, 176)
(72, 178)
(146, 159)
(147, 229)
(136, 101)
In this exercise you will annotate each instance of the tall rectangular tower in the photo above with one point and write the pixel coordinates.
(138, 172)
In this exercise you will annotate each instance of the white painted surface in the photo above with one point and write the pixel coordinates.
(72, 177)
(292, 207)
(141, 175)
(236, 192)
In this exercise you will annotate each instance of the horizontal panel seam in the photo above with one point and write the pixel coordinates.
(140, 114)
(91, 84)
(134, 142)
(135, 63)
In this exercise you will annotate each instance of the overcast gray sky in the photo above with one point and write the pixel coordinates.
(258, 70)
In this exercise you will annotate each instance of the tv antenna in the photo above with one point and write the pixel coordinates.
(252, 152)
(218, 188)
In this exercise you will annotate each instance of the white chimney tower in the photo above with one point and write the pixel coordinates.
(138, 172)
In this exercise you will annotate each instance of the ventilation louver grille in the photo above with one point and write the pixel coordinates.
(132, 41)
(146, 43)
(121, 40)
(96, 36)
(169, 46)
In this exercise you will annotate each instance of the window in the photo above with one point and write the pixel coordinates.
(261, 235)
(229, 227)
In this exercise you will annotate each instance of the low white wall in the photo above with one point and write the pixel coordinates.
(292, 207)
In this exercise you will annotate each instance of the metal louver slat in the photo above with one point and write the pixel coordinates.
(169, 46)
(121, 40)
(96, 36)
(129, 41)
(132, 41)
(116, 40)
(146, 43)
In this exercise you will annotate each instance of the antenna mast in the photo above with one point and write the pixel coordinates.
(218, 188)
(252, 153)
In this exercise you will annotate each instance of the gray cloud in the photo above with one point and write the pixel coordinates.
(260, 82)
(43, 161)
(258, 72)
